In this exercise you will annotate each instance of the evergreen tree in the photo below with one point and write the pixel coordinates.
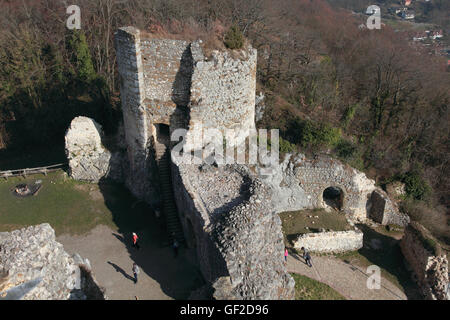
(81, 57)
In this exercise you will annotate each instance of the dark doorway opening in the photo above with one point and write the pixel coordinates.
(334, 197)
(162, 133)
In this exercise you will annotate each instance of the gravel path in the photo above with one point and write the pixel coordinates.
(347, 279)
(162, 276)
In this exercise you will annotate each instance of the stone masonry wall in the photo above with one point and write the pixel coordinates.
(132, 90)
(88, 159)
(167, 69)
(335, 241)
(196, 225)
(298, 183)
(223, 90)
(385, 211)
(240, 249)
(429, 269)
(172, 82)
(33, 253)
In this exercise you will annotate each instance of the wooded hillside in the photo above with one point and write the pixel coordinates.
(365, 96)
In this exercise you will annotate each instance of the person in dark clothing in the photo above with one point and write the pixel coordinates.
(135, 272)
(175, 247)
(307, 257)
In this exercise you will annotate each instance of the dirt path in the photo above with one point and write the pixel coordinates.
(162, 276)
(347, 279)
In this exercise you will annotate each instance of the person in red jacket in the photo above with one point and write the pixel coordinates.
(135, 241)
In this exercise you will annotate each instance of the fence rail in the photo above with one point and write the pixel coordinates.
(29, 171)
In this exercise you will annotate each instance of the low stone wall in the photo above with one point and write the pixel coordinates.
(333, 241)
(429, 265)
(32, 254)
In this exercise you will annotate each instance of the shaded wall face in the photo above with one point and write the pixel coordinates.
(431, 271)
(167, 71)
(129, 60)
(211, 262)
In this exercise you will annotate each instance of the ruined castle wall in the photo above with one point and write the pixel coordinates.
(173, 83)
(384, 211)
(430, 269)
(298, 183)
(223, 90)
(193, 214)
(246, 240)
(167, 67)
(132, 89)
(33, 255)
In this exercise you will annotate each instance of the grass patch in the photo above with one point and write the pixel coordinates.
(309, 289)
(69, 206)
(295, 223)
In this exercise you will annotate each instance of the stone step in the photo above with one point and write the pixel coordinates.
(168, 201)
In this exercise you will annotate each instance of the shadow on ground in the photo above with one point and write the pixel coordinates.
(388, 257)
(177, 276)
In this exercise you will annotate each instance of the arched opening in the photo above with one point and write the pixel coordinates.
(333, 197)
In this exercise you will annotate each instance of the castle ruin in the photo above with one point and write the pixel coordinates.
(227, 213)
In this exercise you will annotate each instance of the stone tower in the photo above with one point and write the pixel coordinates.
(168, 84)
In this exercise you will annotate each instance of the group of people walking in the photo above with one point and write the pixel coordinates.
(306, 256)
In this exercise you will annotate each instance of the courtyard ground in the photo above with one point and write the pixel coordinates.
(348, 280)
(96, 221)
(347, 272)
(161, 277)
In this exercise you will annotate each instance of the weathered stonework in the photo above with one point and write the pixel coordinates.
(172, 82)
(33, 253)
(298, 183)
(88, 159)
(228, 213)
(385, 211)
(430, 269)
(236, 233)
(333, 241)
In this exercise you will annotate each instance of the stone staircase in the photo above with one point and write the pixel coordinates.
(168, 205)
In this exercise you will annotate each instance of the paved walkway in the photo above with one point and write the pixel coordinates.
(349, 280)
(162, 276)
